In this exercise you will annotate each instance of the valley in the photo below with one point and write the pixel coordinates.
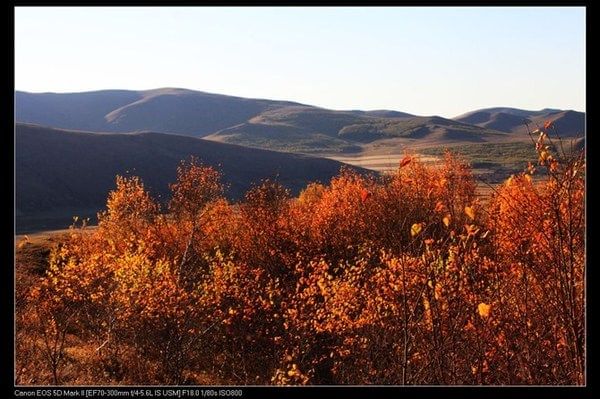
(69, 146)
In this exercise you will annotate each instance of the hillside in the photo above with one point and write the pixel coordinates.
(285, 126)
(566, 123)
(166, 110)
(524, 113)
(277, 125)
(309, 129)
(511, 120)
(61, 172)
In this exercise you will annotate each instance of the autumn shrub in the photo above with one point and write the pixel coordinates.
(405, 278)
(540, 239)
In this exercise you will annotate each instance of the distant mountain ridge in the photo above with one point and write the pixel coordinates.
(568, 123)
(167, 110)
(512, 111)
(64, 163)
(275, 125)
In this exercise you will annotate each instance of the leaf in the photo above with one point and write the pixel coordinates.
(364, 195)
(469, 326)
(405, 161)
(470, 212)
(415, 229)
(439, 206)
(548, 125)
(471, 229)
(484, 310)
(446, 220)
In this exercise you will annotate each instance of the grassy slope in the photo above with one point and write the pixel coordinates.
(59, 172)
(313, 130)
(510, 120)
(165, 110)
(279, 125)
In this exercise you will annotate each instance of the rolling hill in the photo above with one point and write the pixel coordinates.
(314, 130)
(62, 173)
(566, 123)
(280, 125)
(511, 120)
(276, 125)
(166, 110)
(372, 139)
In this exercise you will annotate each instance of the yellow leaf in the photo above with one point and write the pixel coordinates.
(446, 220)
(416, 229)
(470, 212)
(438, 291)
(428, 318)
(471, 229)
(484, 310)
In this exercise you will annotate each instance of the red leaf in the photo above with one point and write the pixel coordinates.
(364, 194)
(405, 161)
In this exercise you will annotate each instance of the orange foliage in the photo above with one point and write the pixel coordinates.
(400, 279)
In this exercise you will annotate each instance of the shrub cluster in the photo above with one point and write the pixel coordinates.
(401, 279)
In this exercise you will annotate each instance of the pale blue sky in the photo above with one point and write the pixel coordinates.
(429, 60)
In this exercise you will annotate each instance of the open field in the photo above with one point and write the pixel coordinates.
(378, 163)
(492, 162)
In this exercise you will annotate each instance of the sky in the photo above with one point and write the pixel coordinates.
(423, 60)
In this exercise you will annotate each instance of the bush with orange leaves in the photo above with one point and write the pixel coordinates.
(540, 243)
(401, 279)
